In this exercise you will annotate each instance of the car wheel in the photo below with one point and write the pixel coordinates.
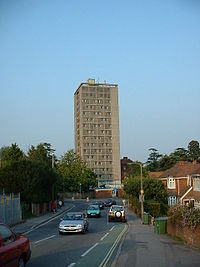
(60, 233)
(21, 262)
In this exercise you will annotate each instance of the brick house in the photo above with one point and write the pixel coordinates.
(125, 161)
(182, 182)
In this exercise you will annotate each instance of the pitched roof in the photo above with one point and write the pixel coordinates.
(182, 169)
(155, 174)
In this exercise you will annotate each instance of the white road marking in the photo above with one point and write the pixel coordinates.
(89, 250)
(72, 264)
(112, 228)
(104, 236)
(44, 239)
(110, 252)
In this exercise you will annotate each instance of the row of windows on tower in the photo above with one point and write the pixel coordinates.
(94, 151)
(96, 101)
(99, 144)
(97, 119)
(96, 95)
(97, 157)
(99, 89)
(93, 125)
(88, 107)
(99, 132)
(94, 138)
(95, 113)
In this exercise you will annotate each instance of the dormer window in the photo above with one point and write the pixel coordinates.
(171, 183)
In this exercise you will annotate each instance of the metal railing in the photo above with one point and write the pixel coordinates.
(10, 208)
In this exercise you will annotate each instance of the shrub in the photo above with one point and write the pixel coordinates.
(189, 216)
(152, 207)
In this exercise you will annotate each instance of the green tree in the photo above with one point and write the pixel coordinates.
(42, 153)
(155, 194)
(73, 172)
(153, 160)
(194, 151)
(180, 154)
(134, 169)
(166, 162)
(33, 180)
(11, 154)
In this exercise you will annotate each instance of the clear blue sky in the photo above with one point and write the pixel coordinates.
(150, 48)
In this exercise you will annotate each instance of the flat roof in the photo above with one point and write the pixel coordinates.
(96, 85)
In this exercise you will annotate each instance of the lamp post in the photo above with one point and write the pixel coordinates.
(141, 193)
(52, 165)
(80, 190)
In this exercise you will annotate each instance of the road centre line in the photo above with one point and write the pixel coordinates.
(84, 254)
(44, 239)
(104, 236)
(110, 252)
(112, 228)
(72, 264)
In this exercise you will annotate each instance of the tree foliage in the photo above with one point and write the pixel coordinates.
(33, 180)
(73, 172)
(155, 193)
(11, 154)
(194, 150)
(153, 159)
(159, 162)
(32, 176)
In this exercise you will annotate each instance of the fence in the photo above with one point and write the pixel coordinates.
(10, 208)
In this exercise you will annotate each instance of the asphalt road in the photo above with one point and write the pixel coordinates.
(97, 247)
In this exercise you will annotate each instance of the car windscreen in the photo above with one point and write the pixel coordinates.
(117, 208)
(93, 208)
(72, 217)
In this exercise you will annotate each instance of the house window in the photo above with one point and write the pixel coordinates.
(196, 183)
(171, 201)
(171, 183)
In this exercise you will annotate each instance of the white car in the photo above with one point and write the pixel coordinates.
(116, 213)
(73, 222)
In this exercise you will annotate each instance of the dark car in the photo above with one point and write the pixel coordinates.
(100, 204)
(109, 202)
(14, 248)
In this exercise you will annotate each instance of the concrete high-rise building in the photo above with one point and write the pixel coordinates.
(96, 125)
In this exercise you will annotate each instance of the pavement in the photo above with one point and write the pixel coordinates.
(142, 247)
(34, 222)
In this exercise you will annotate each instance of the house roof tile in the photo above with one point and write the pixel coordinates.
(182, 169)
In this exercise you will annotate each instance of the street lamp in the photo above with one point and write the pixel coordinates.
(52, 165)
(80, 190)
(141, 192)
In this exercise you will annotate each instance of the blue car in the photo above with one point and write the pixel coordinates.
(93, 211)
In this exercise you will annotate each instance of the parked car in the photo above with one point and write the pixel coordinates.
(100, 204)
(116, 213)
(93, 211)
(109, 202)
(73, 222)
(14, 248)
